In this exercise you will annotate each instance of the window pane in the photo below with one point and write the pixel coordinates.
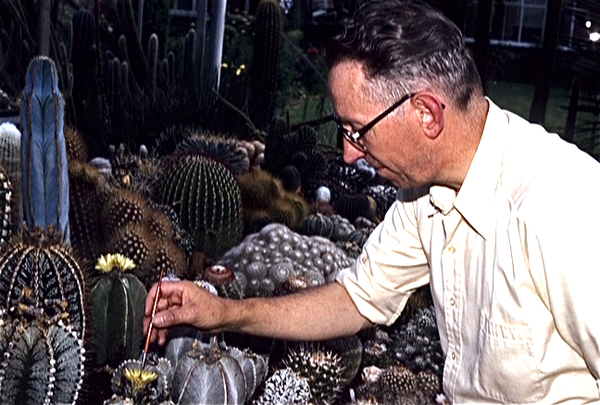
(511, 23)
(533, 21)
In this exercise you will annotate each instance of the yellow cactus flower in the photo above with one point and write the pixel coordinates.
(139, 378)
(107, 263)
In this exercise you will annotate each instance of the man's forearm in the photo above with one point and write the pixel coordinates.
(316, 314)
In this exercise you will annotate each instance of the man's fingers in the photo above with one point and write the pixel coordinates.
(171, 292)
(172, 317)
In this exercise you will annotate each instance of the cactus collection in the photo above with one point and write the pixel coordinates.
(126, 164)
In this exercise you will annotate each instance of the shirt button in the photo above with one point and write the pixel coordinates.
(452, 301)
(453, 356)
(451, 249)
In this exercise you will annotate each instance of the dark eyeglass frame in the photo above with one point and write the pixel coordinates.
(354, 137)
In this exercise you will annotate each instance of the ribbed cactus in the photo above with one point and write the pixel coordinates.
(267, 56)
(207, 200)
(38, 260)
(10, 160)
(43, 149)
(41, 359)
(209, 374)
(117, 311)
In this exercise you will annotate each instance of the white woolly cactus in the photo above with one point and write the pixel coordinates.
(265, 260)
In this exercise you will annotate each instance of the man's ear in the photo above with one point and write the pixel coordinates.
(430, 114)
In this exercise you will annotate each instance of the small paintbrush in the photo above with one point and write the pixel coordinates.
(156, 297)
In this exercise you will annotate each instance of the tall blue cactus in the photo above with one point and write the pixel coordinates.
(43, 149)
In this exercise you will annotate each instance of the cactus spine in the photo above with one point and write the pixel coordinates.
(43, 149)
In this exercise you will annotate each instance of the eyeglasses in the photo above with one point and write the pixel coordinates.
(354, 138)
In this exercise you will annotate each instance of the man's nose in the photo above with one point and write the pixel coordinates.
(351, 153)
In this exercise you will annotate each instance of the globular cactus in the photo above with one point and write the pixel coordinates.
(268, 258)
(267, 57)
(150, 385)
(42, 359)
(207, 200)
(117, 311)
(323, 368)
(355, 206)
(223, 150)
(210, 374)
(285, 387)
(10, 160)
(416, 343)
(43, 149)
(265, 200)
(39, 260)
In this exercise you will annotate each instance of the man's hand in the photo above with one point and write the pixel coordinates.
(182, 303)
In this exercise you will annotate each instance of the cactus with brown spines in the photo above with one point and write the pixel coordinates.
(10, 160)
(264, 81)
(116, 311)
(136, 242)
(86, 198)
(42, 358)
(122, 207)
(39, 260)
(76, 146)
(207, 199)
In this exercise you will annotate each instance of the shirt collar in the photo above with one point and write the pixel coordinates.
(475, 200)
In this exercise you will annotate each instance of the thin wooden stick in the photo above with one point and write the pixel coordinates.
(154, 306)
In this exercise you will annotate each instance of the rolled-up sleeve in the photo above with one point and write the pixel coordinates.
(390, 267)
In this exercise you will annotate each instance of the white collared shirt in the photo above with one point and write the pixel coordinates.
(513, 263)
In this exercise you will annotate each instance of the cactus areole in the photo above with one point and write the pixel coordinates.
(43, 149)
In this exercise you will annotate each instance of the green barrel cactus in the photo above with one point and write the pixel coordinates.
(207, 200)
(38, 259)
(41, 357)
(43, 149)
(117, 311)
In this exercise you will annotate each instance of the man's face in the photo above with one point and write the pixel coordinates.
(394, 145)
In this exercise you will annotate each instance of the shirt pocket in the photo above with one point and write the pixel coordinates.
(507, 368)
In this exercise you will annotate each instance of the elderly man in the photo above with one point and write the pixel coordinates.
(494, 213)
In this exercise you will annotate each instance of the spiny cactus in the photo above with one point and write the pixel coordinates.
(150, 385)
(76, 147)
(223, 150)
(416, 344)
(122, 207)
(38, 259)
(208, 202)
(42, 359)
(5, 206)
(285, 387)
(43, 149)
(117, 311)
(323, 369)
(10, 160)
(267, 56)
(86, 195)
